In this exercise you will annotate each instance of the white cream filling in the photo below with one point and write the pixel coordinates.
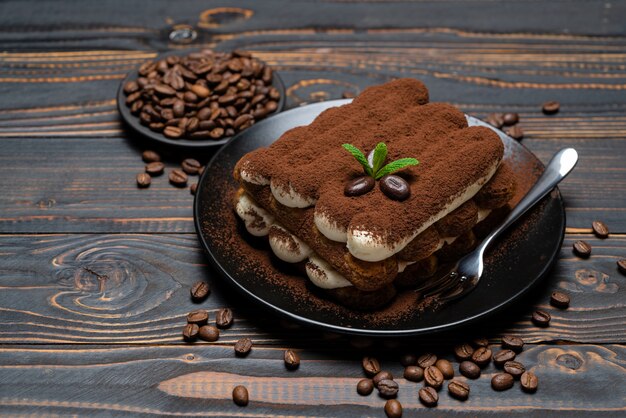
(292, 250)
(250, 213)
(323, 275)
(402, 265)
(482, 214)
(290, 198)
(329, 229)
(254, 178)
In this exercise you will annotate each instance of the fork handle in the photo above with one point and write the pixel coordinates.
(557, 169)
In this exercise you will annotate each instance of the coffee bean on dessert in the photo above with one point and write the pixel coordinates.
(463, 352)
(199, 317)
(371, 366)
(510, 119)
(428, 396)
(240, 395)
(190, 332)
(541, 318)
(426, 359)
(150, 156)
(513, 343)
(529, 382)
(292, 360)
(359, 186)
(469, 369)
(243, 347)
(393, 408)
(514, 368)
(155, 169)
(445, 367)
(551, 107)
(395, 187)
(348, 95)
(503, 356)
(495, 119)
(433, 377)
(459, 389)
(191, 166)
(193, 188)
(414, 373)
(388, 388)
(621, 265)
(178, 178)
(382, 375)
(515, 132)
(502, 381)
(364, 387)
(482, 356)
(559, 300)
(582, 249)
(224, 318)
(143, 180)
(200, 291)
(480, 342)
(209, 333)
(408, 360)
(600, 229)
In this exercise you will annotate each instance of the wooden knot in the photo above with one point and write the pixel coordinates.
(570, 361)
(219, 16)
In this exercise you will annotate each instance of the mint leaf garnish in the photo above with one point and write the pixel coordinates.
(395, 166)
(380, 155)
(358, 155)
(376, 170)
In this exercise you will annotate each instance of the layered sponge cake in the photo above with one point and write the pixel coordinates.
(359, 249)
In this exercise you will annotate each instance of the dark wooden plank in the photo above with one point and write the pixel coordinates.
(575, 380)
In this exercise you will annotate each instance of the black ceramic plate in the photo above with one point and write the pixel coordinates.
(520, 259)
(133, 121)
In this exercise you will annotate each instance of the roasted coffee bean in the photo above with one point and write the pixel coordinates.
(502, 381)
(559, 300)
(143, 180)
(348, 95)
(515, 132)
(482, 356)
(226, 99)
(371, 366)
(395, 187)
(510, 119)
(541, 318)
(155, 169)
(178, 108)
(178, 178)
(414, 373)
(200, 291)
(199, 317)
(133, 97)
(131, 87)
(243, 347)
(513, 343)
(190, 97)
(433, 377)
(514, 368)
(582, 249)
(136, 107)
(359, 186)
(503, 356)
(242, 120)
(463, 352)
(271, 106)
(221, 87)
(217, 133)
(240, 395)
(164, 90)
(224, 318)
(445, 367)
(600, 229)
(192, 125)
(621, 265)
(388, 388)
(364, 387)
(469, 369)
(550, 108)
(428, 396)
(408, 360)
(200, 91)
(426, 359)
(200, 135)
(529, 382)
(190, 332)
(382, 375)
(459, 390)
(156, 127)
(191, 166)
(173, 132)
(193, 188)
(480, 342)
(292, 360)
(495, 120)
(209, 333)
(393, 408)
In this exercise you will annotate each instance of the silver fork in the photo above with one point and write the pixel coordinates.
(466, 276)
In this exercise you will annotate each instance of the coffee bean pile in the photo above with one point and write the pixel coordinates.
(178, 177)
(510, 120)
(204, 95)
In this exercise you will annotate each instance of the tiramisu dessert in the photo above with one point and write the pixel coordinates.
(374, 195)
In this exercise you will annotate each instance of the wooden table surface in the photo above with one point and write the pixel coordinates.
(77, 343)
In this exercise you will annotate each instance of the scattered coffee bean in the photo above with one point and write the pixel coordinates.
(395, 187)
(513, 343)
(621, 265)
(480, 342)
(359, 186)
(190, 332)
(155, 169)
(428, 396)
(433, 377)
(427, 359)
(482, 356)
(463, 352)
(292, 360)
(600, 229)
(582, 249)
(388, 388)
(515, 132)
(224, 318)
(510, 119)
(150, 156)
(382, 375)
(209, 333)
(541, 318)
(191, 166)
(240, 395)
(178, 178)
(502, 381)
(243, 347)
(143, 180)
(551, 107)
(514, 368)
(408, 360)
(364, 387)
(414, 373)
(200, 291)
(529, 382)
(458, 389)
(470, 370)
(445, 367)
(393, 408)
(559, 300)
(199, 317)
(503, 356)
(495, 120)
(193, 188)
(371, 366)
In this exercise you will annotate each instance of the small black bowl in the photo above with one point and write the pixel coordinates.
(199, 144)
